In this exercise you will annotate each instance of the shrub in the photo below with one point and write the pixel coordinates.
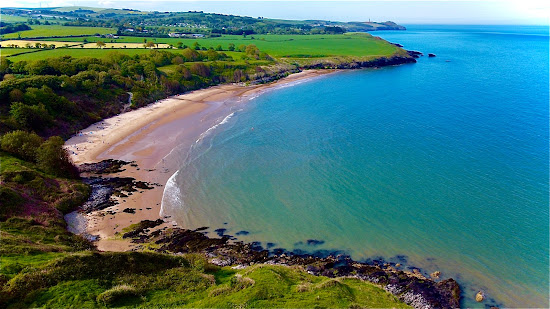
(31, 117)
(9, 201)
(53, 158)
(22, 144)
(116, 293)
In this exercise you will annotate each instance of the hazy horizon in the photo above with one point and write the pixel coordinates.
(402, 12)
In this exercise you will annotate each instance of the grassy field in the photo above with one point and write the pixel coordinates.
(350, 44)
(57, 30)
(11, 51)
(94, 280)
(280, 46)
(78, 53)
(12, 19)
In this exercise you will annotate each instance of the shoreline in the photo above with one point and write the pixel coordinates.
(129, 218)
(147, 137)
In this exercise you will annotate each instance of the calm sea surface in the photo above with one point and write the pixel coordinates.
(442, 164)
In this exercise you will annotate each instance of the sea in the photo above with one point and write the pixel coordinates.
(442, 165)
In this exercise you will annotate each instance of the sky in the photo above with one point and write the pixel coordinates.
(509, 12)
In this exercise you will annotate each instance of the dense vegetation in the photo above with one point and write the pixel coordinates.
(9, 28)
(59, 96)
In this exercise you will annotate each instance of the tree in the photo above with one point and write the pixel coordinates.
(200, 69)
(231, 47)
(196, 45)
(179, 45)
(149, 44)
(252, 50)
(219, 48)
(100, 44)
(22, 144)
(52, 158)
(34, 117)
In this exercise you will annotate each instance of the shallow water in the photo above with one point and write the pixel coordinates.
(442, 164)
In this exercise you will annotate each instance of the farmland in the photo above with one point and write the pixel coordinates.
(40, 31)
(279, 46)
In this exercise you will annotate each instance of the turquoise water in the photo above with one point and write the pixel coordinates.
(442, 163)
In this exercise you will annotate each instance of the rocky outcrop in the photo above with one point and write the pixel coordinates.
(431, 55)
(103, 188)
(376, 63)
(414, 53)
(413, 289)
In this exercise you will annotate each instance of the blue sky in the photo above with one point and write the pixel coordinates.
(405, 12)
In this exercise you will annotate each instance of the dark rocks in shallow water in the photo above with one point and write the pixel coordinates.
(270, 245)
(256, 246)
(315, 242)
(220, 232)
(201, 228)
(414, 53)
(239, 233)
(431, 55)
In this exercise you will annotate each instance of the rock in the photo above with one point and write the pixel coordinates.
(431, 55)
(480, 296)
(435, 274)
(414, 53)
(397, 265)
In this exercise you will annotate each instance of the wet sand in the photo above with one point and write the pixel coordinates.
(148, 136)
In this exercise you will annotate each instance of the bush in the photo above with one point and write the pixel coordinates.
(52, 158)
(21, 144)
(9, 201)
(30, 117)
(116, 293)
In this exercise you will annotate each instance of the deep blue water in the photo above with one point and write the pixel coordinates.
(444, 162)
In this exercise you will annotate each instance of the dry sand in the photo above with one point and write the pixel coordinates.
(148, 135)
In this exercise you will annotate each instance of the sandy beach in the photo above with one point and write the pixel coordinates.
(148, 136)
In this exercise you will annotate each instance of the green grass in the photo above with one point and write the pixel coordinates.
(351, 44)
(57, 30)
(12, 19)
(151, 280)
(5, 51)
(77, 53)
(279, 46)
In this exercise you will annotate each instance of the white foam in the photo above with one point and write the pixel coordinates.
(171, 195)
(205, 133)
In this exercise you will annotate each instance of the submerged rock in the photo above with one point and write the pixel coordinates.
(431, 55)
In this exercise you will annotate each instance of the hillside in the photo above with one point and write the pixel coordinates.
(162, 23)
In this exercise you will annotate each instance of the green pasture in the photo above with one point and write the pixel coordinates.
(57, 30)
(11, 51)
(12, 19)
(290, 46)
(77, 53)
